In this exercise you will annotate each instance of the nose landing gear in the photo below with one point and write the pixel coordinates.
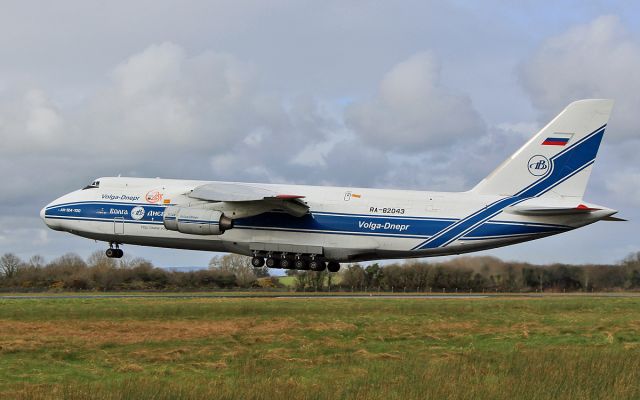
(114, 253)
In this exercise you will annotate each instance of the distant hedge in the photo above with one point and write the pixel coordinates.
(476, 274)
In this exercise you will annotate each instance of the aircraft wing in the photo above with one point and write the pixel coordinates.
(250, 199)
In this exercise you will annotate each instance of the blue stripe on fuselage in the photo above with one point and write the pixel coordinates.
(316, 222)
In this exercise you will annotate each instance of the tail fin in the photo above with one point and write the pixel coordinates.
(557, 160)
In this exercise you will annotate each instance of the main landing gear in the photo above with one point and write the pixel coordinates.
(114, 253)
(301, 262)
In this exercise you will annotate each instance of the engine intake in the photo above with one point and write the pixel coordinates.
(196, 221)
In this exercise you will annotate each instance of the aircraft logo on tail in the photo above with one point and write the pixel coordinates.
(538, 165)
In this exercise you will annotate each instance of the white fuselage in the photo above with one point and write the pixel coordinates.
(343, 223)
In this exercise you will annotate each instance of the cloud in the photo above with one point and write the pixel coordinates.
(161, 112)
(599, 59)
(412, 111)
(29, 121)
(625, 186)
(163, 100)
(158, 101)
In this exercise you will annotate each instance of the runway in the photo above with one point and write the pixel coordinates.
(323, 296)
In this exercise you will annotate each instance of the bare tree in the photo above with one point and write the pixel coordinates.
(36, 261)
(238, 265)
(9, 264)
(99, 260)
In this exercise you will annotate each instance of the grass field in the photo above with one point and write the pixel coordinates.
(149, 348)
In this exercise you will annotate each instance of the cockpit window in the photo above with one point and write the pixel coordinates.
(92, 185)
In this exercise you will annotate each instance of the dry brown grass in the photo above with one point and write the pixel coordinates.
(330, 326)
(130, 368)
(21, 335)
(376, 356)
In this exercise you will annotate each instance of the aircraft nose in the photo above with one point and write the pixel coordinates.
(50, 222)
(43, 215)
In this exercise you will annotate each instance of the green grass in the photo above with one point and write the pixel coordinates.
(150, 348)
(289, 281)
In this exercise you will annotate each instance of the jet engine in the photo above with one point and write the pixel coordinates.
(196, 221)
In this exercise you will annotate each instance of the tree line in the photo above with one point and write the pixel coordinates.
(71, 272)
(463, 274)
(480, 274)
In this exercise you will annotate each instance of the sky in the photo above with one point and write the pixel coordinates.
(424, 95)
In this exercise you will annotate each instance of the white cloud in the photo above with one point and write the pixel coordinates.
(157, 100)
(29, 122)
(600, 59)
(163, 100)
(158, 66)
(523, 129)
(43, 121)
(412, 111)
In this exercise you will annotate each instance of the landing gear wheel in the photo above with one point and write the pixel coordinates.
(300, 264)
(272, 263)
(315, 265)
(257, 262)
(285, 263)
(114, 253)
(333, 266)
(114, 250)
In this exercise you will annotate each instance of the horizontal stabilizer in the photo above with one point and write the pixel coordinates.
(613, 219)
(544, 211)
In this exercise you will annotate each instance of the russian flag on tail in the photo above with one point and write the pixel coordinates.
(557, 139)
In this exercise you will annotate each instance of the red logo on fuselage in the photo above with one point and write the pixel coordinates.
(153, 196)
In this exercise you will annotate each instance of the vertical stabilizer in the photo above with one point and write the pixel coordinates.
(557, 161)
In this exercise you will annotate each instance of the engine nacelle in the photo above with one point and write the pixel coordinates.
(196, 221)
